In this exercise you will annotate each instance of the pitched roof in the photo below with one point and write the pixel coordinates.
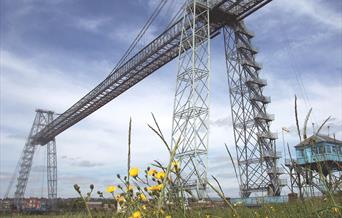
(319, 138)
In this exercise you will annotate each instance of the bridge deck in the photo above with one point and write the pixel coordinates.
(159, 52)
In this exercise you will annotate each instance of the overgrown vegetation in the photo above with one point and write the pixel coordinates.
(153, 192)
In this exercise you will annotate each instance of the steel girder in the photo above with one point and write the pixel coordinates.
(190, 127)
(52, 172)
(149, 59)
(255, 144)
(42, 119)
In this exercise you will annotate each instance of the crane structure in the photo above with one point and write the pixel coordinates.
(189, 39)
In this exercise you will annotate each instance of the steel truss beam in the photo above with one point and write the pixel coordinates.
(191, 106)
(149, 59)
(42, 119)
(255, 144)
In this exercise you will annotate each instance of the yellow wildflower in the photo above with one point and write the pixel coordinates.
(168, 216)
(134, 172)
(160, 187)
(111, 189)
(142, 197)
(144, 207)
(155, 187)
(136, 214)
(152, 172)
(160, 175)
(120, 198)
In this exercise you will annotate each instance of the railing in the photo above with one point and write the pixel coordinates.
(264, 99)
(252, 64)
(265, 116)
(261, 82)
(272, 154)
(243, 46)
(268, 135)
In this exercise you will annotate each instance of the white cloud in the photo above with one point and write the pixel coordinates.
(101, 138)
(92, 24)
(315, 10)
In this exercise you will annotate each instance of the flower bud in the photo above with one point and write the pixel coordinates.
(77, 188)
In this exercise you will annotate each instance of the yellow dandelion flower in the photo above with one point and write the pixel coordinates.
(160, 187)
(151, 188)
(136, 214)
(134, 172)
(152, 172)
(168, 216)
(111, 189)
(160, 175)
(155, 187)
(142, 197)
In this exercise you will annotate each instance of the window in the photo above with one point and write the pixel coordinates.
(334, 149)
(314, 150)
(321, 149)
(300, 152)
(328, 149)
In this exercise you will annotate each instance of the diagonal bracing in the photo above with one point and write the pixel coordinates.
(191, 106)
(255, 143)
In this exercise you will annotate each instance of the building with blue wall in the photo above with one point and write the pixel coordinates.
(320, 153)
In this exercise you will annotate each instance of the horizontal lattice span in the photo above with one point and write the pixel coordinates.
(159, 52)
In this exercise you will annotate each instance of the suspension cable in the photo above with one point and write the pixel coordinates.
(141, 34)
(177, 15)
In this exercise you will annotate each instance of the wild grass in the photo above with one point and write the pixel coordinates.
(154, 192)
(298, 209)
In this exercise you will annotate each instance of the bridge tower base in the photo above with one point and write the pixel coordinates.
(42, 119)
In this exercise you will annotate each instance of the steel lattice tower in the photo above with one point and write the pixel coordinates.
(191, 105)
(255, 144)
(42, 119)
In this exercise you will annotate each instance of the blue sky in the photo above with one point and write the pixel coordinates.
(54, 52)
